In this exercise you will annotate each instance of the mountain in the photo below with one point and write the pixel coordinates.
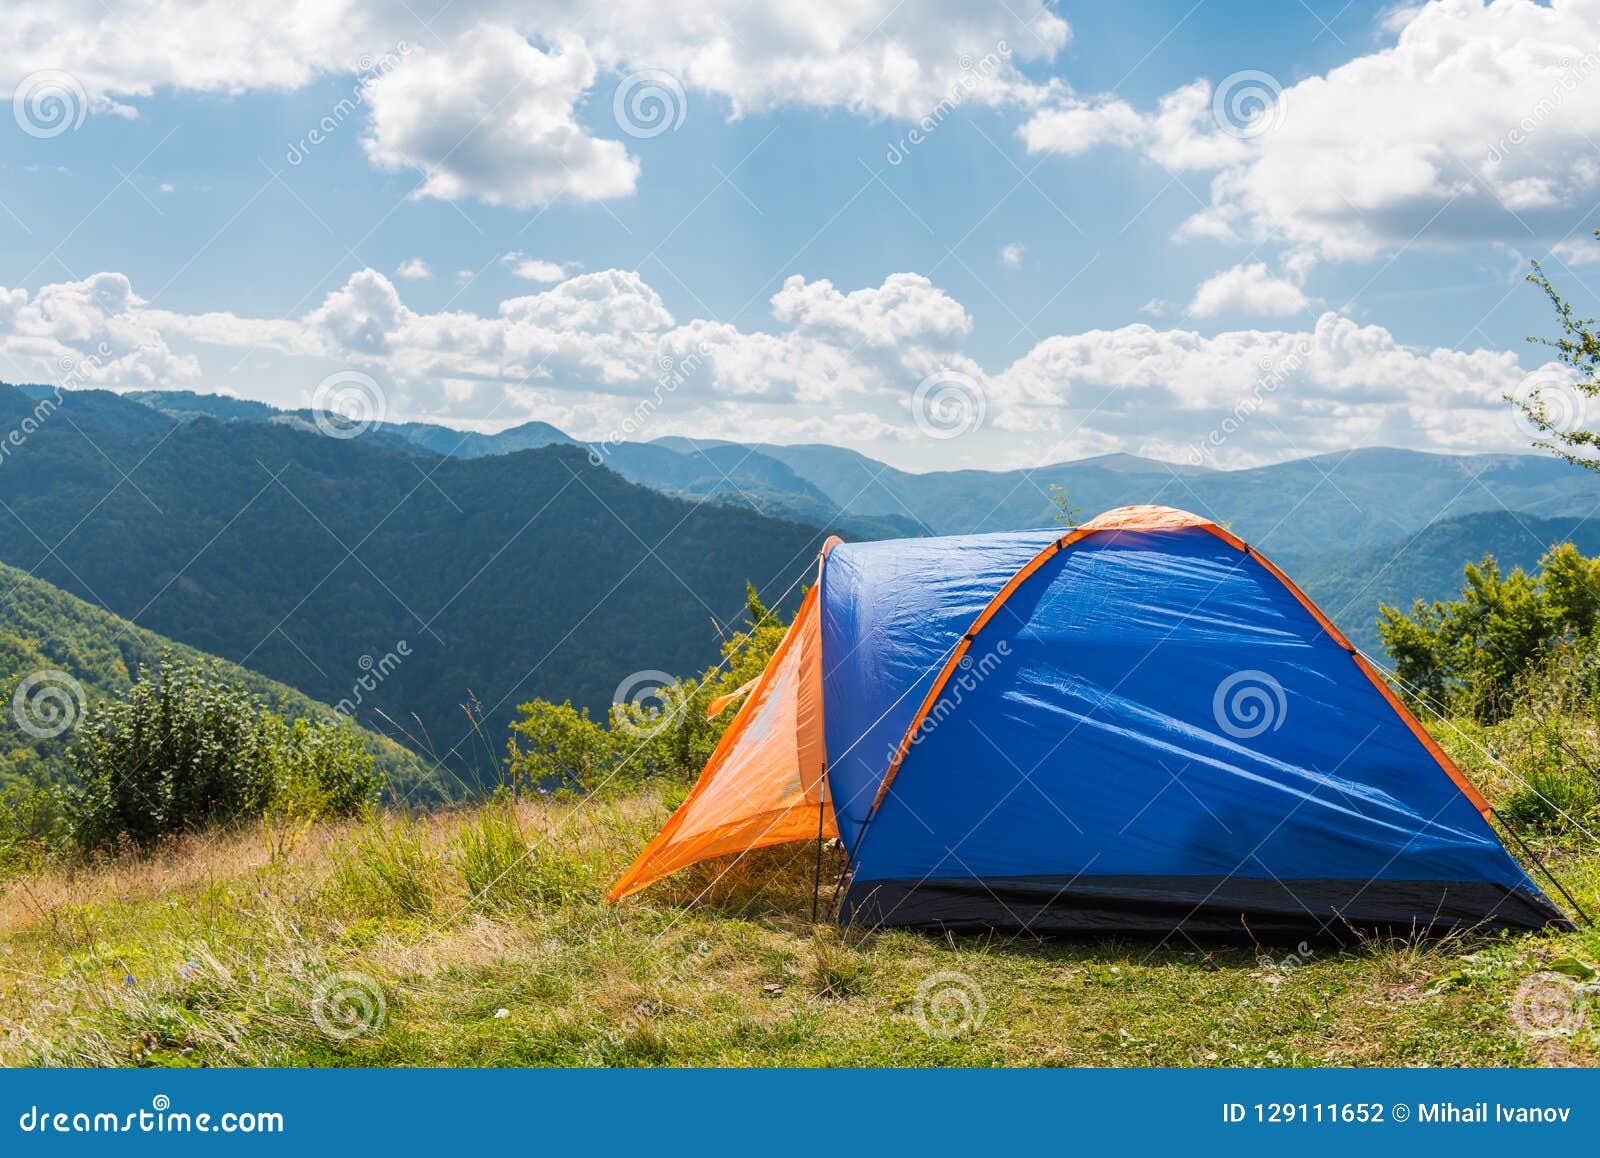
(725, 472)
(1349, 585)
(1356, 498)
(1351, 498)
(312, 559)
(44, 629)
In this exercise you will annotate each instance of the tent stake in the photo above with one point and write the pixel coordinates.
(1534, 857)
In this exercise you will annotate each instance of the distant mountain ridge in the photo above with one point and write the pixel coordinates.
(1303, 506)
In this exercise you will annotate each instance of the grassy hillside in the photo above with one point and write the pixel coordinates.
(311, 559)
(436, 942)
(44, 629)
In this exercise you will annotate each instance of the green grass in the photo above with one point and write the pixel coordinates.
(401, 941)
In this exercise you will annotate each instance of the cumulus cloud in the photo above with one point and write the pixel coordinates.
(94, 332)
(494, 118)
(1011, 255)
(413, 269)
(838, 365)
(1476, 124)
(482, 100)
(1247, 289)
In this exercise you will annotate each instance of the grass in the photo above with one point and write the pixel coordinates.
(479, 937)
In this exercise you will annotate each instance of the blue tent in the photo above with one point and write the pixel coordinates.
(1140, 725)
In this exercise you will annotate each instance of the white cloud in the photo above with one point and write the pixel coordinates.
(413, 269)
(832, 365)
(1011, 255)
(1155, 307)
(1476, 124)
(1249, 290)
(482, 103)
(493, 118)
(533, 268)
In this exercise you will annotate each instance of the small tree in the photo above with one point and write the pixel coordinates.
(1578, 348)
(1467, 654)
(1067, 511)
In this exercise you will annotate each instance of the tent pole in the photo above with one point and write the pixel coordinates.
(1534, 857)
(822, 815)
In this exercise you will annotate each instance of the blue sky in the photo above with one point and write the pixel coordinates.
(1083, 253)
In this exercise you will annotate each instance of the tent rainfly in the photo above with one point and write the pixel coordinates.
(1140, 725)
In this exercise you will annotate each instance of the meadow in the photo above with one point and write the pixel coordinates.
(480, 937)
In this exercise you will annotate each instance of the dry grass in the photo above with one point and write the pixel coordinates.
(434, 941)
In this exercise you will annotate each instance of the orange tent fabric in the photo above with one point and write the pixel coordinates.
(765, 782)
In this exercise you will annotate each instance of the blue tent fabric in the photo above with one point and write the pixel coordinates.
(1151, 733)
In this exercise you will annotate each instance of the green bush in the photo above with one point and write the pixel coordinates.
(1467, 656)
(183, 749)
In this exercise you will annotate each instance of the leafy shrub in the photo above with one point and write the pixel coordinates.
(1467, 655)
(183, 749)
